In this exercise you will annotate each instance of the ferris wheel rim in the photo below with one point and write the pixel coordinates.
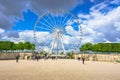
(80, 39)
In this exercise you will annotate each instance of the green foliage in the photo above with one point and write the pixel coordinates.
(20, 46)
(27, 46)
(7, 45)
(71, 55)
(32, 47)
(87, 46)
(62, 53)
(101, 47)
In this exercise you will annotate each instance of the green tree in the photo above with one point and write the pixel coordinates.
(71, 55)
(87, 46)
(32, 47)
(62, 53)
(6, 45)
(20, 46)
(28, 46)
(106, 47)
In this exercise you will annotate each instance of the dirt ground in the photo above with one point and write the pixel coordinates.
(58, 70)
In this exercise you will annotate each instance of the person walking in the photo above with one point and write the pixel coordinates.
(17, 58)
(83, 59)
(37, 57)
(78, 58)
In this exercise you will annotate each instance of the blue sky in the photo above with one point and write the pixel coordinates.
(100, 19)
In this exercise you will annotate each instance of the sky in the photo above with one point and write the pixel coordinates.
(100, 19)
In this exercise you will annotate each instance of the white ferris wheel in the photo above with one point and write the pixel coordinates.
(57, 31)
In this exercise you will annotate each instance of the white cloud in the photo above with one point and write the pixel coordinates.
(26, 35)
(29, 36)
(69, 22)
(1, 31)
(115, 2)
(71, 31)
(84, 16)
(101, 26)
(117, 25)
(98, 7)
(118, 39)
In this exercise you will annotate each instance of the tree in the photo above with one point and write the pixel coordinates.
(20, 46)
(62, 53)
(106, 47)
(28, 46)
(87, 46)
(6, 45)
(32, 47)
(71, 55)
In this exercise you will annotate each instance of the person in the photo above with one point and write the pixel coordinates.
(37, 57)
(45, 56)
(78, 58)
(83, 59)
(114, 60)
(17, 58)
(33, 57)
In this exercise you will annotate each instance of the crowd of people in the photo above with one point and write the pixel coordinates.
(37, 57)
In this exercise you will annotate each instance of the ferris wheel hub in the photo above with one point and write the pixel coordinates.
(57, 31)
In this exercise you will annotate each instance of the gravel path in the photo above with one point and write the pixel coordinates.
(58, 70)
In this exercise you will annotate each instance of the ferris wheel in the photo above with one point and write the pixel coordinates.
(57, 31)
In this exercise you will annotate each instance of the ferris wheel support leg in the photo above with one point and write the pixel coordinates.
(53, 43)
(63, 46)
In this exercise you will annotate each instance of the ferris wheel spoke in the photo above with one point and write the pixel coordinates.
(64, 24)
(43, 28)
(47, 41)
(64, 19)
(57, 18)
(52, 21)
(48, 15)
(48, 22)
(46, 44)
(52, 14)
(45, 25)
(61, 18)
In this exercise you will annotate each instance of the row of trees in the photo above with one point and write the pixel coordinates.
(8, 45)
(101, 47)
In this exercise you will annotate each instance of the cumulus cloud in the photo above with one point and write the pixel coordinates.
(101, 26)
(9, 10)
(115, 2)
(11, 34)
(1, 31)
(40, 5)
(70, 30)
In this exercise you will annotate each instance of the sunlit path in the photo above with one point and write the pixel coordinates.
(58, 70)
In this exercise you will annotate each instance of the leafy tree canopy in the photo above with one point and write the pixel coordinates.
(101, 47)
